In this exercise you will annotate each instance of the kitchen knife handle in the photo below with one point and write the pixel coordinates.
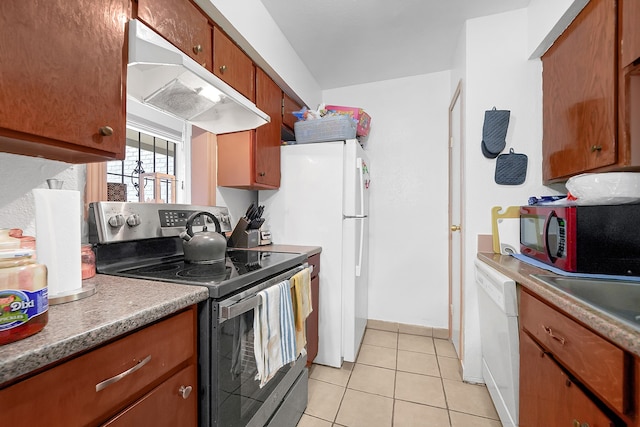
(106, 383)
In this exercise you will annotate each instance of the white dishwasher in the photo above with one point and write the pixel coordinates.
(498, 311)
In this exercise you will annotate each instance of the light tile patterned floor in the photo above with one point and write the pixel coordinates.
(404, 377)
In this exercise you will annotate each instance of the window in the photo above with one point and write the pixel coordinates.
(153, 158)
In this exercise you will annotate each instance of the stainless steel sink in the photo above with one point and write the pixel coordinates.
(617, 298)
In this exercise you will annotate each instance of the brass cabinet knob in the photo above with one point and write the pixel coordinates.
(106, 131)
(261, 174)
(197, 49)
(596, 148)
(455, 228)
(223, 69)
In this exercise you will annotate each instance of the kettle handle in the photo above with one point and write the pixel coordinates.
(204, 227)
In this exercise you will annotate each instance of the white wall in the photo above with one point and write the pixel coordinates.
(21, 174)
(497, 73)
(407, 149)
(251, 26)
(547, 20)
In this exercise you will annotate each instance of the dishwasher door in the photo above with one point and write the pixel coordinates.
(498, 311)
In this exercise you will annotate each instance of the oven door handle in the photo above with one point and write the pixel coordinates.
(252, 301)
(239, 308)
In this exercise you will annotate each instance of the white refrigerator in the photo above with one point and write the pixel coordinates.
(323, 200)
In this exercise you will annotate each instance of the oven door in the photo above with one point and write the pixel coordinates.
(237, 399)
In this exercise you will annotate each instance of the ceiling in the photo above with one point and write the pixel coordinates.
(347, 42)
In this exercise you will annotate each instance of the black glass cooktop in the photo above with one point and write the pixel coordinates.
(239, 269)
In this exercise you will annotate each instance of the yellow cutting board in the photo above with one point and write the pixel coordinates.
(510, 213)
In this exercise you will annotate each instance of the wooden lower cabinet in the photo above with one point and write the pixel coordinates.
(312, 320)
(178, 393)
(142, 376)
(548, 396)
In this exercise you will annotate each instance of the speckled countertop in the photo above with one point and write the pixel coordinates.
(619, 333)
(119, 306)
(296, 249)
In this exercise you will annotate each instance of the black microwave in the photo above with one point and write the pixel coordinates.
(583, 239)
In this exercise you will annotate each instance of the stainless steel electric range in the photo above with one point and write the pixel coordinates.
(141, 240)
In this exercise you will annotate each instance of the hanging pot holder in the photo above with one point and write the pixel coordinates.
(494, 132)
(511, 169)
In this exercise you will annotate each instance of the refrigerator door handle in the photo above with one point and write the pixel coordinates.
(360, 169)
(360, 248)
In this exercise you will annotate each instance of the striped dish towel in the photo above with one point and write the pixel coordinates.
(274, 332)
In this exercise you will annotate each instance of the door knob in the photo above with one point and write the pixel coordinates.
(455, 228)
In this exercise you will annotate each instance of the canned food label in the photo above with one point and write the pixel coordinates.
(18, 307)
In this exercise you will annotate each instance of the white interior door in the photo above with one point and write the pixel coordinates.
(456, 229)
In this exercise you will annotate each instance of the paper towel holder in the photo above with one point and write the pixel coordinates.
(73, 295)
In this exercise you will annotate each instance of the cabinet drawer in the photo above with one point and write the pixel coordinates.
(67, 395)
(598, 363)
(548, 396)
(172, 403)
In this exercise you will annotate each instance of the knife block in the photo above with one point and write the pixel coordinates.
(244, 237)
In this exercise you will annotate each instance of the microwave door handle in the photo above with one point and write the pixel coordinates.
(547, 247)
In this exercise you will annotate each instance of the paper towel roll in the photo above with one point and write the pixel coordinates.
(58, 238)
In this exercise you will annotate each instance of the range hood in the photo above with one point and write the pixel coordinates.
(163, 77)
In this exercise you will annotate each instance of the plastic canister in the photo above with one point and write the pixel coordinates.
(24, 301)
(88, 261)
(7, 241)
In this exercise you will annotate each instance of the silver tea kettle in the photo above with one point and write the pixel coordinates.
(203, 247)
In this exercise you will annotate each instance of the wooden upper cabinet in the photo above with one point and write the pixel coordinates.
(182, 24)
(629, 33)
(232, 65)
(579, 95)
(269, 100)
(63, 68)
(289, 106)
(251, 159)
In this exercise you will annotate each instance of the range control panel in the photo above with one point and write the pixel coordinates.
(123, 221)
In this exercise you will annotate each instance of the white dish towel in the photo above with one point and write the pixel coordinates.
(274, 332)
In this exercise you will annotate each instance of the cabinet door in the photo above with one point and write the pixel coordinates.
(630, 36)
(181, 23)
(235, 159)
(312, 320)
(591, 358)
(232, 65)
(63, 68)
(172, 403)
(92, 387)
(289, 106)
(579, 95)
(267, 154)
(548, 396)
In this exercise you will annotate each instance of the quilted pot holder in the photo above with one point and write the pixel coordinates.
(494, 132)
(511, 168)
